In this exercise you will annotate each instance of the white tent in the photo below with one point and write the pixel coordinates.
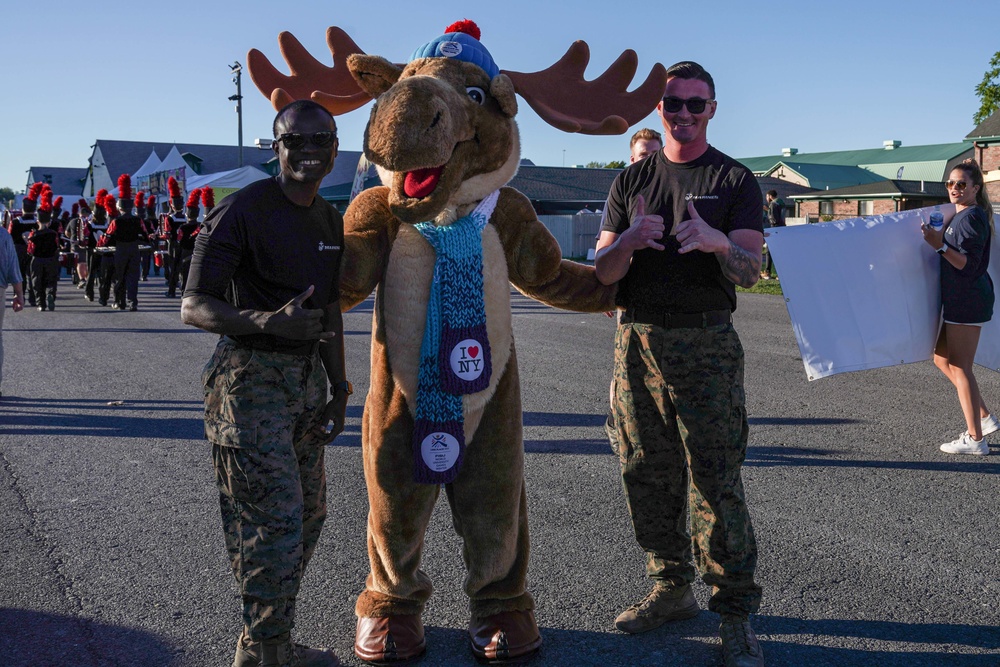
(173, 161)
(231, 180)
(150, 166)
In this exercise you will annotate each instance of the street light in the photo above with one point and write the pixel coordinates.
(237, 70)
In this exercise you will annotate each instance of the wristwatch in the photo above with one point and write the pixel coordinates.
(344, 386)
(942, 250)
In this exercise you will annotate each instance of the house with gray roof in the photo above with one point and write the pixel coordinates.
(66, 182)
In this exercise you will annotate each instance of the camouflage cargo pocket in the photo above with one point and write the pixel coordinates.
(236, 458)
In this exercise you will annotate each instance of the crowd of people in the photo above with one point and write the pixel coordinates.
(107, 247)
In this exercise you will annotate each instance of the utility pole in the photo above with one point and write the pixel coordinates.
(237, 70)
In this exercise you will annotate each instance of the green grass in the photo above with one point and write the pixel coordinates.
(763, 287)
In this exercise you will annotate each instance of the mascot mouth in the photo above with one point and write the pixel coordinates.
(421, 182)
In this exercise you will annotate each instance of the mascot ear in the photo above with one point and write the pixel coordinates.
(374, 74)
(502, 88)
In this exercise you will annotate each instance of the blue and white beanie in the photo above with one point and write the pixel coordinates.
(461, 42)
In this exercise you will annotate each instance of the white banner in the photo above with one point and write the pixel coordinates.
(864, 293)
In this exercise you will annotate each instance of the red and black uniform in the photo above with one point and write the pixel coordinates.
(125, 233)
(43, 248)
(171, 224)
(19, 228)
(96, 227)
(186, 235)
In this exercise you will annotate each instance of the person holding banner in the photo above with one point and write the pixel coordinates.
(967, 298)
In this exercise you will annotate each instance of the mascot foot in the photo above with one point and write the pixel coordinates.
(510, 636)
(390, 639)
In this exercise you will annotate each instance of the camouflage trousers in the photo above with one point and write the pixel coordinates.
(680, 429)
(259, 407)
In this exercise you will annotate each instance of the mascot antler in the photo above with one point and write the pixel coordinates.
(333, 87)
(563, 98)
(559, 94)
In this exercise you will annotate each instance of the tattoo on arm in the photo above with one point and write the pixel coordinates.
(740, 267)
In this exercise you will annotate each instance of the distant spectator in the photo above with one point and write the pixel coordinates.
(775, 212)
(10, 275)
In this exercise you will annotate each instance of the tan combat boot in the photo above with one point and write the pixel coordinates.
(665, 602)
(281, 652)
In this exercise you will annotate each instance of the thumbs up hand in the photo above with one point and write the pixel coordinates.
(696, 234)
(645, 231)
(298, 323)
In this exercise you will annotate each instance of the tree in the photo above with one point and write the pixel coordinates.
(6, 195)
(615, 164)
(988, 91)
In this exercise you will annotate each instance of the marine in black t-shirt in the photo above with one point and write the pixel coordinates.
(258, 250)
(726, 195)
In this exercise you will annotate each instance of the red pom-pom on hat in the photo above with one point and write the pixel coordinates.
(76, 210)
(58, 202)
(465, 26)
(173, 188)
(208, 197)
(151, 201)
(46, 204)
(140, 199)
(36, 189)
(193, 197)
(125, 187)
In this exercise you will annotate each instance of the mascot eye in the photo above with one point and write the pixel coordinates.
(477, 95)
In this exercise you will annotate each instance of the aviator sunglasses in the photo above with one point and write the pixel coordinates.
(958, 185)
(694, 104)
(295, 140)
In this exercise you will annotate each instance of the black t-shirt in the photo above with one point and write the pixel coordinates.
(258, 250)
(726, 196)
(967, 295)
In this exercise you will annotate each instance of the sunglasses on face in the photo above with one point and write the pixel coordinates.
(295, 140)
(694, 104)
(958, 185)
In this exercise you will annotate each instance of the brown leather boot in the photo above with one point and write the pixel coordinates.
(510, 636)
(389, 639)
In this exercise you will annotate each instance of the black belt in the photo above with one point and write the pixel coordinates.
(709, 318)
(265, 345)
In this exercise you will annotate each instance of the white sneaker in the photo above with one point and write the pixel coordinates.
(966, 445)
(990, 424)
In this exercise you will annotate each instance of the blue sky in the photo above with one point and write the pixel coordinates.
(809, 75)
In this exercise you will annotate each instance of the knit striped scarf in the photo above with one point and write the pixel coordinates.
(455, 354)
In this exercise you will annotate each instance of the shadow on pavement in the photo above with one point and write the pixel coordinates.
(39, 639)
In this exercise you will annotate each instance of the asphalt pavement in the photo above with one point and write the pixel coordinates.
(875, 548)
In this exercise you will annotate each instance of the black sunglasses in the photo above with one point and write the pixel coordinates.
(295, 140)
(958, 185)
(694, 104)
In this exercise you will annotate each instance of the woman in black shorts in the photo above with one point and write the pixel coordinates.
(967, 296)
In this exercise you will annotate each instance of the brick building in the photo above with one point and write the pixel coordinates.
(985, 140)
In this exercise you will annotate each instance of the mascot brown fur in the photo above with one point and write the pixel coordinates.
(443, 136)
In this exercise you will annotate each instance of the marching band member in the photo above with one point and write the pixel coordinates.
(125, 233)
(43, 248)
(19, 228)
